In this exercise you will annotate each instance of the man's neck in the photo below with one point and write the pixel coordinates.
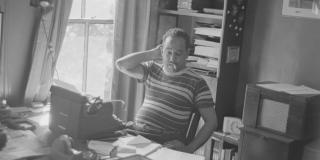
(168, 73)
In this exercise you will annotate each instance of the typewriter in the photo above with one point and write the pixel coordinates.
(82, 116)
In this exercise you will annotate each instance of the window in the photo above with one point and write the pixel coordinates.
(86, 54)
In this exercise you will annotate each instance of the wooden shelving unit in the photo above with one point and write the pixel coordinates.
(230, 19)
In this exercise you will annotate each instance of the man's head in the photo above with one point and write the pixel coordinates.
(175, 46)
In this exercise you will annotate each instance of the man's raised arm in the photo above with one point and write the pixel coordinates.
(131, 64)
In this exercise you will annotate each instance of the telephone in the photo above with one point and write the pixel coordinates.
(82, 116)
(232, 125)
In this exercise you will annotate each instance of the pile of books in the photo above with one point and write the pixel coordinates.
(223, 152)
(207, 49)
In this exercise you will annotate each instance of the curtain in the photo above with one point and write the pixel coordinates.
(50, 32)
(133, 32)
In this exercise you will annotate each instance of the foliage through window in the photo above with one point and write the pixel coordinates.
(85, 59)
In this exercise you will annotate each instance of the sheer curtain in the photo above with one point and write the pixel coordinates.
(46, 46)
(132, 33)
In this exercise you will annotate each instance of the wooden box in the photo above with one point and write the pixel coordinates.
(256, 144)
(293, 115)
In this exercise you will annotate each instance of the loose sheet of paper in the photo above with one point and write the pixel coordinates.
(166, 153)
(135, 145)
(100, 147)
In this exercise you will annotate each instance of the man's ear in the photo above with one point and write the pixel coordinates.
(161, 48)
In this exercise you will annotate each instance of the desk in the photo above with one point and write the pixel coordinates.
(39, 141)
(131, 145)
(26, 143)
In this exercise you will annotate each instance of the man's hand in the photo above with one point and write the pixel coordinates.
(177, 145)
(157, 53)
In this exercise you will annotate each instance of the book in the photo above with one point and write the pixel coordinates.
(228, 154)
(202, 62)
(213, 52)
(217, 150)
(207, 31)
(206, 43)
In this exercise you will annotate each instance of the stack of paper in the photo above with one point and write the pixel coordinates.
(207, 31)
(131, 145)
(100, 147)
(199, 62)
(212, 52)
(202, 42)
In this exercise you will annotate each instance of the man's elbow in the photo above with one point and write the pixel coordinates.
(120, 65)
(214, 125)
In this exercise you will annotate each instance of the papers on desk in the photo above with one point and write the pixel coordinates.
(166, 153)
(22, 144)
(101, 147)
(132, 145)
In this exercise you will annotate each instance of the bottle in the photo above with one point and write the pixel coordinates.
(5, 110)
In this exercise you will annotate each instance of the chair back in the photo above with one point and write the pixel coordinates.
(193, 126)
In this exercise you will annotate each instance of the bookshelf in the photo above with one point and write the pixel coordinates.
(220, 70)
(224, 146)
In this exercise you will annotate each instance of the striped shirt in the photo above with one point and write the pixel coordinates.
(170, 99)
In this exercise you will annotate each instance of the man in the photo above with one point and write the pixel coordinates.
(172, 92)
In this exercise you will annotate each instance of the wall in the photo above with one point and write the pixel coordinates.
(278, 48)
(19, 20)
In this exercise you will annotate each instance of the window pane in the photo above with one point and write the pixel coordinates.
(75, 12)
(69, 65)
(100, 9)
(100, 60)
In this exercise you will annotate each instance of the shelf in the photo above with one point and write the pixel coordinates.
(226, 137)
(191, 14)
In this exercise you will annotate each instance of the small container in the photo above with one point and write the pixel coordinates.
(5, 110)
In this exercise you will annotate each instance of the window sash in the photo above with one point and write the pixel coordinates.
(87, 23)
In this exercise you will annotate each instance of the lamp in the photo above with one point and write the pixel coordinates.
(41, 3)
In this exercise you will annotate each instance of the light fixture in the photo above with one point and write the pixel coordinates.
(44, 4)
(41, 3)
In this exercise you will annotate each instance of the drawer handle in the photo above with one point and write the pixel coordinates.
(62, 128)
(63, 114)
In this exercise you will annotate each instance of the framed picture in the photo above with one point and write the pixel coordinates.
(301, 8)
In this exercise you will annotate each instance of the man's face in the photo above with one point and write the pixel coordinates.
(174, 54)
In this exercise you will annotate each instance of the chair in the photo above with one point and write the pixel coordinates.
(195, 122)
(193, 125)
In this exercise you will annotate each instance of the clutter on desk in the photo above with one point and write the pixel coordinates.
(15, 118)
(22, 143)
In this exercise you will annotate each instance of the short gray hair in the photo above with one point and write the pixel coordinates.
(177, 32)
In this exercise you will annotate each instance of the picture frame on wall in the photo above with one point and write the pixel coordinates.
(301, 8)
